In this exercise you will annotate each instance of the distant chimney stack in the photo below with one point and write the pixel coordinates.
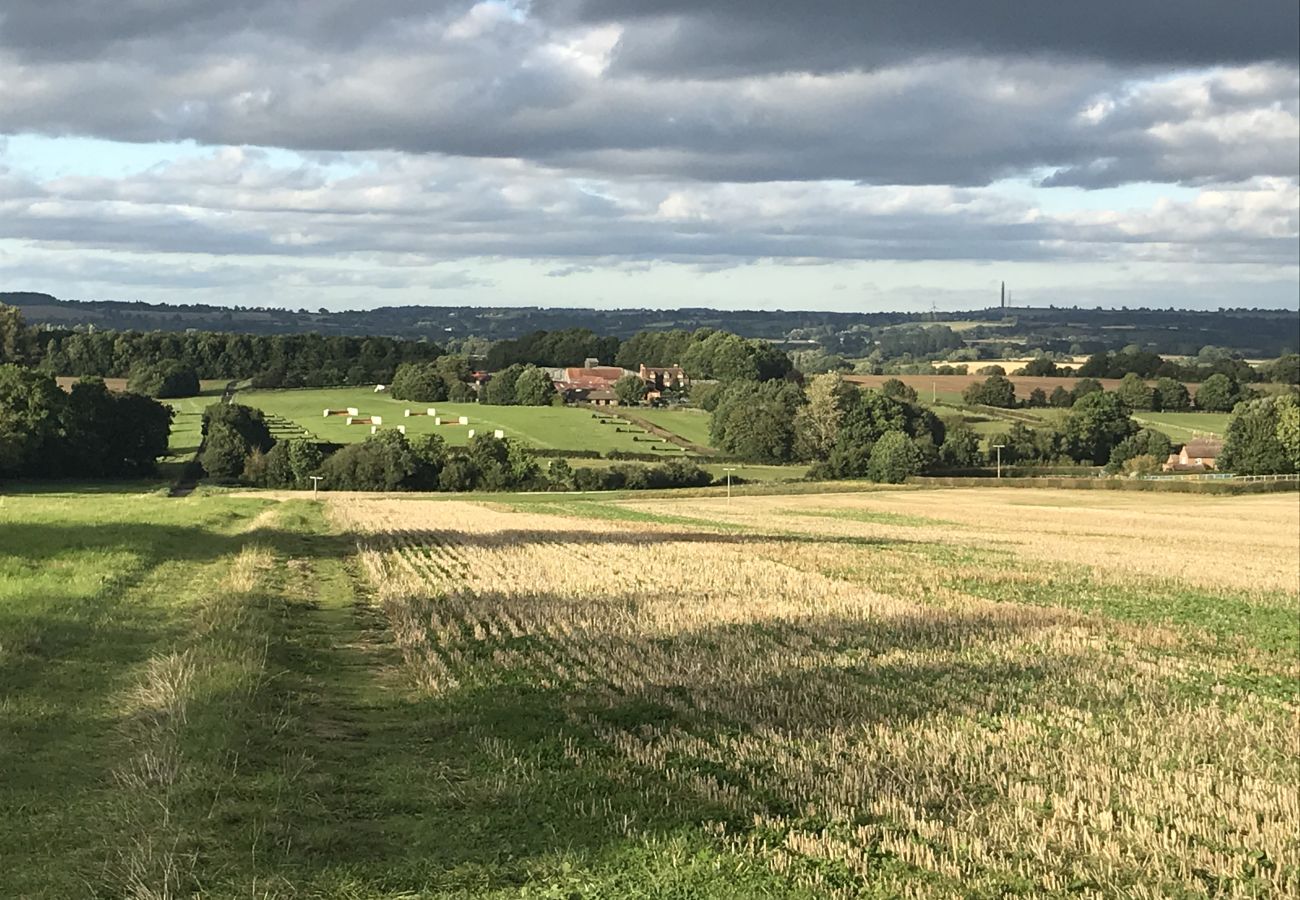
(1004, 295)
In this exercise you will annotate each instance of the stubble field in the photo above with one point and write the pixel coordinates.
(923, 693)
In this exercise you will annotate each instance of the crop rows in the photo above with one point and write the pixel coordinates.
(838, 703)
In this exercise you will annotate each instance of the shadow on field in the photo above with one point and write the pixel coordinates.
(512, 763)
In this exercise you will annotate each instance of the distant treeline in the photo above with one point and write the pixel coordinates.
(312, 360)
(1255, 333)
(296, 360)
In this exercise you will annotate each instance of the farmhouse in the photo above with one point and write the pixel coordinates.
(661, 378)
(1197, 455)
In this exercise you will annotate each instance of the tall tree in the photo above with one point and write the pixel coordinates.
(817, 423)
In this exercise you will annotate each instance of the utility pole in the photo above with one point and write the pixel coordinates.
(998, 447)
(315, 480)
(728, 470)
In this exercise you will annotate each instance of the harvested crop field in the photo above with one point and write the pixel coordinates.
(911, 692)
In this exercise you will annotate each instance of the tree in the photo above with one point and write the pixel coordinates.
(501, 387)
(1136, 393)
(13, 335)
(1218, 393)
(961, 447)
(1147, 442)
(248, 423)
(1060, 398)
(1095, 425)
(630, 390)
(224, 452)
(898, 390)
(164, 379)
(1037, 398)
(817, 423)
(420, 382)
(533, 387)
(1288, 429)
(1085, 386)
(1259, 438)
(1172, 395)
(755, 420)
(893, 458)
(30, 404)
(869, 416)
(560, 475)
(817, 361)
(1285, 370)
(996, 390)
(1042, 367)
(382, 462)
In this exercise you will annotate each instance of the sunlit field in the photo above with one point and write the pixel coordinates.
(909, 692)
(543, 427)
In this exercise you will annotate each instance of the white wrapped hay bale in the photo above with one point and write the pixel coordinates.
(374, 429)
(471, 432)
(379, 389)
(437, 420)
(349, 421)
(430, 411)
(377, 420)
(406, 413)
(464, 420)
(353, 411)
(498, 434)
(401, 429)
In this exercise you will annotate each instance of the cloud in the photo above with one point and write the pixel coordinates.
(959, 103)
(424, 210)
(726, 38)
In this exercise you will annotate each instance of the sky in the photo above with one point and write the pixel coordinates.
(827, 154)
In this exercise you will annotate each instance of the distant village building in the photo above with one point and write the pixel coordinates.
(591, 383)
(661, 378)
(1197, 455)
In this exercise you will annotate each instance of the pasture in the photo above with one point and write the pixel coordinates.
(904, 692)
(1183, 426)
(544, 427)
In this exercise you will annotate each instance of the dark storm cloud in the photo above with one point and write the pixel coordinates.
(957, 93)
(716, 38)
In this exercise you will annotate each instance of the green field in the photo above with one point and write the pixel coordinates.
(930, 693)
(545, 427)
(692, 424)
(1183, 426)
